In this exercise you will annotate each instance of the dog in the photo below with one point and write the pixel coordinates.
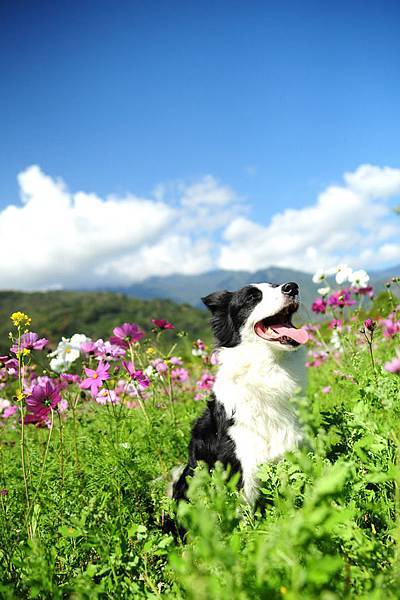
(249, 419)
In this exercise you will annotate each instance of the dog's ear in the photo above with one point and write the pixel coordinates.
(217, 301)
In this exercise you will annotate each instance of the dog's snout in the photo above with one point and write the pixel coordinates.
(290, 289)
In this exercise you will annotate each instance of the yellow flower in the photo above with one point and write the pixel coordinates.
(19, 318)
(150, 350)
(20, 396)
(283, 590)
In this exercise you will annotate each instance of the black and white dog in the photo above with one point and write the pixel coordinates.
(250, 419)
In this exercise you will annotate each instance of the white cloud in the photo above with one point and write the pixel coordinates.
(351, 223)
(374, 182)
(57, 238)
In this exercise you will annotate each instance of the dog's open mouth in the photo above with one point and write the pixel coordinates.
(279, 328)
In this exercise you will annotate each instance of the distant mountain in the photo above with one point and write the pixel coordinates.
(190, 288)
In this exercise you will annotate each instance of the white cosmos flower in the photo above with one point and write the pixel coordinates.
(343, 273)
(359, 279)
(4, 403)
(58, 365)
(324, 291)
(336, 342)
(319, 276)
(67, 352)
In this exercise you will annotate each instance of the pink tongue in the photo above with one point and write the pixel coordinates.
(299, 335)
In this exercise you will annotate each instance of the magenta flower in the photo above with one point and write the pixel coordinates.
(126, 334)
(136, 375)
(108, 351)
(162, 324)
(107, 396)
(336, 324)
(365, 291)
(394, 365)
(341, 299)
(391, 327)
(41, 401)
(88, 348)
(180, 375)
(206, 381)
(319, 306)
(317, 359)
(175, 360)
(70, 378)
(159, 365)
(326, 389)
(95, 378)
(369, 324)
(9, 411)
(214, 359)
(29, 341)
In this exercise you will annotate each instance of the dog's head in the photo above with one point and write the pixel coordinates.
(260, 312)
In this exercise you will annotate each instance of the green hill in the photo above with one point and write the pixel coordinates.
(60, 313)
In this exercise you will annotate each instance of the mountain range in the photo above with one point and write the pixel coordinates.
(188, 289)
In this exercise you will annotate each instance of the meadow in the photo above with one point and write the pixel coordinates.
(91, 431)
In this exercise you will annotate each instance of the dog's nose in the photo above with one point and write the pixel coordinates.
(290, 289)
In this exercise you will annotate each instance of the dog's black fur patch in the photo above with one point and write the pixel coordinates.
(210, 442)
(230, 310)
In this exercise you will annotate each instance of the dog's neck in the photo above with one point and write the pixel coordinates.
(256, 377)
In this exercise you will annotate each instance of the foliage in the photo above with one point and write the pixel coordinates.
(62, 313)
(86, 519)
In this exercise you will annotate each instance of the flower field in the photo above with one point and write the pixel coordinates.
(92, 428)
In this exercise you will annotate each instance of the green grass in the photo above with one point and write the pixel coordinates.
(328, 525)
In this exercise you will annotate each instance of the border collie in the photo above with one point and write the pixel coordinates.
(249, 419)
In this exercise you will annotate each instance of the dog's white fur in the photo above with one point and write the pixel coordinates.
(255, 382)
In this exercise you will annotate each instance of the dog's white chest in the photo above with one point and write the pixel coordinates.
(258, 396)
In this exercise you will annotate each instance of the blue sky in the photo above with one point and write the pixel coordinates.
(275, 100)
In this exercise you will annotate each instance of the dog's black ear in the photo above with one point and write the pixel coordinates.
(217, 301)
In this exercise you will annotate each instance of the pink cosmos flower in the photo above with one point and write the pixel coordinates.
(162, 324)
(365, 291)
(41, 401)
(341, 299)
(319, 306)
(95, 378)
(214, 359)
(29, 341)
(317, 359)
(159, 365)
(126, 334)
(336, 324)
(394, 365)
(136, 375)
(107, 396)
(206, 381)
(391, 327)
(70, 378)
(326, 389)
(9, 411)
(62, 406)
(175, 360)
(180, 375)
(369, 324)
(108, 351)
(88, 348)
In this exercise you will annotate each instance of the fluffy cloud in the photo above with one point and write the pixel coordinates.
(350, 223)
(56, 238)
